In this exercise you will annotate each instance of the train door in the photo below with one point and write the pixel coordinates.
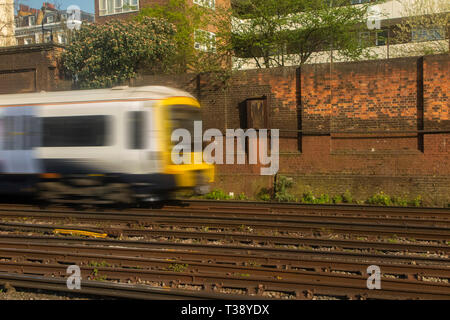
(152, 155)
(140, 139)
(20, 135)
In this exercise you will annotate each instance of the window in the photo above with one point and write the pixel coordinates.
(61, 39)
(364, 38)
(183, 117)
(204, 40)
(427, 34)
(28, 41)
(31, 20)
(381, 39)
(107, 7)
(136, 129)
(78, 131)
(50, 19)
(206, 3)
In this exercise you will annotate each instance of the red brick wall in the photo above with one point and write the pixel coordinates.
(436, 85)
(382, 97)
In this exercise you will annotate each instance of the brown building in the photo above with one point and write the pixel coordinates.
(122, 9)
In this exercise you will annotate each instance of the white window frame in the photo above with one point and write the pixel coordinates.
(50, 19)
(31, 21)
(361, 1)
(210, 46)
(61, 39)
(206, 3)
(111, 7)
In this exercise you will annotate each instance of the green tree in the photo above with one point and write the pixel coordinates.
(191, 21)
(427, 25)
(109, 54)
(276, 33)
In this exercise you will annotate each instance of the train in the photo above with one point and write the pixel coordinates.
(99, 145)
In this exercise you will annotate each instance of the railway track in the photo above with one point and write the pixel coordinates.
(232, 238)
(428, 228)
(271, 251)
(105, 289)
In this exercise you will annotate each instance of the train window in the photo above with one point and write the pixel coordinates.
(136, 129)
(78, 131)
(183, 117)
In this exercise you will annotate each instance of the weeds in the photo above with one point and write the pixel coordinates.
(281, 189)
(97, 277)
(98, 264)
(176, 267)
(385, 200)
(242, 197)
(264, 195)
(282, 194)
(217, 194)
(380, 199)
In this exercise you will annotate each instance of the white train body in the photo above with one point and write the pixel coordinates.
(119, 135)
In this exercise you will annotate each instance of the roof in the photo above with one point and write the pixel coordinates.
(115, 93)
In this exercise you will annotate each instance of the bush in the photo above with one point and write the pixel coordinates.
(337, 199)
(417, 202)
(281, 186)
(104, 55)
(323, 199)
(380, 199)
(399, 201)
(242, 196)
(264, 195)
(309, 197)
(347, 197)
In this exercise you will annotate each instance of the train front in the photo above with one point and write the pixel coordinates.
(184, 158)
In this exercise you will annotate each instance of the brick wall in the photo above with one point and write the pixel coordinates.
(350, 125)
(31, 68)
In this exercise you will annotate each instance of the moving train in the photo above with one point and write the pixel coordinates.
(102, 145)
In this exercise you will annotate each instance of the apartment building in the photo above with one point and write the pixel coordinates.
(395, 12)
(382, 39)
(46, 24)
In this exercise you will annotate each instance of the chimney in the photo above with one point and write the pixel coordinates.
(48, 5)
(24, 8)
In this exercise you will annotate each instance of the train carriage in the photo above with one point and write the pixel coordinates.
(108, 145)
